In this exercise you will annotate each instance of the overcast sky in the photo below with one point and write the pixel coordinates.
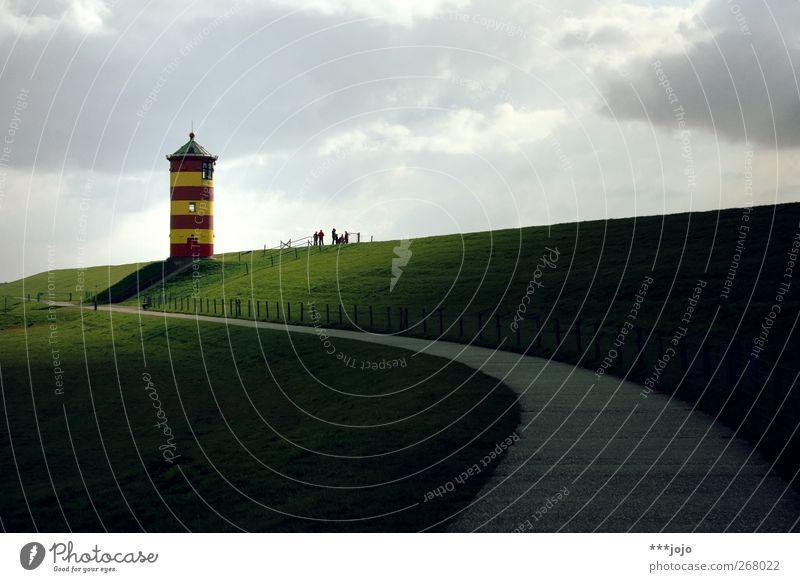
(395, 118)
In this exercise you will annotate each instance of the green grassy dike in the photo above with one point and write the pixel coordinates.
(695, 293)
(712, 279)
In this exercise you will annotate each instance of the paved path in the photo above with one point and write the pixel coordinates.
(597, 455)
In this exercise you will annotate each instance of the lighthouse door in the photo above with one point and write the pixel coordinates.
(193, 245)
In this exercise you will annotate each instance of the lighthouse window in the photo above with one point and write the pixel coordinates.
(208, 170)
(192, 207)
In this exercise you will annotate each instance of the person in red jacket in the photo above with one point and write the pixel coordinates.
(321, 238)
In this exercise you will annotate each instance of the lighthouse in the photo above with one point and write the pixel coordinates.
(191, 192)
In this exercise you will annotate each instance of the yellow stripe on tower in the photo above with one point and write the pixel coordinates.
(204, 236)
(177, 179)
(201, 208)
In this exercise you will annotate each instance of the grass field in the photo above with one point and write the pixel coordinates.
(266, 430)
(66, 284)
(715, 324)
(470, 287)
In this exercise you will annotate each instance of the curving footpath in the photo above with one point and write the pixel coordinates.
(597, 455)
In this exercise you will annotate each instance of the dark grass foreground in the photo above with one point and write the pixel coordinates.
(260, 443)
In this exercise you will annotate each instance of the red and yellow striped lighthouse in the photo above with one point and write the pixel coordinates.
(191, 189)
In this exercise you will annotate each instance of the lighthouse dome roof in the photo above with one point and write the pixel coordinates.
(191, 148)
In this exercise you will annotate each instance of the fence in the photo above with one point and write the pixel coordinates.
(605, 349)
(9, 301)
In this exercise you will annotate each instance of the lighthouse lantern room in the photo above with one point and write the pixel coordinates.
(191, 188)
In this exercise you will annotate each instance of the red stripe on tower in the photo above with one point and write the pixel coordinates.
(191, 221)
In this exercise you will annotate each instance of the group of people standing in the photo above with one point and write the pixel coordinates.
(319, 238)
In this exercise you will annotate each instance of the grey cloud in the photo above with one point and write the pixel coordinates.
(741, 83)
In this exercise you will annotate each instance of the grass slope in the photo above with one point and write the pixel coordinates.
(480, 280)
(267, 425)
(80, 283)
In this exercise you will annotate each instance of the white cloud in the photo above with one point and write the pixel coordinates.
(17, 22)
(613, 31)
(458, 132)
(83, 16)
(89, 16)
(403, 12)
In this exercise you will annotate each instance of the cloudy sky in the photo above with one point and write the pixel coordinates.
(395, 118)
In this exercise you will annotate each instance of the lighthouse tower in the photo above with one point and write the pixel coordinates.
(191, 190)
